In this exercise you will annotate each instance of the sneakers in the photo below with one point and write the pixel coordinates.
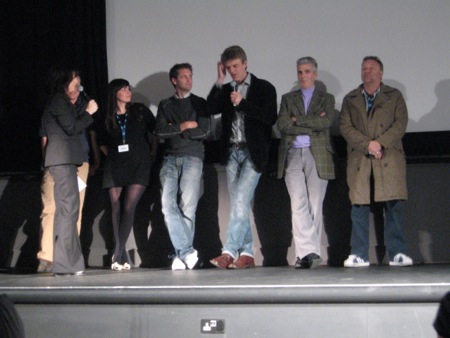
(243, 262)
(222, 261)
(401, 260)
(178, 264)
(191, 260)
(354, 261)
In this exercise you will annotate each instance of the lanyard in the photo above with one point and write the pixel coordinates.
(123, 125)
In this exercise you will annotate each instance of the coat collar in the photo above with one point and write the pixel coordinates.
(315, 100)
(357, 97)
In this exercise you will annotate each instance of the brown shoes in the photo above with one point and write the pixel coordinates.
(223, 261)
(243, 262)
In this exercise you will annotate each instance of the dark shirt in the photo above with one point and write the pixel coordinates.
(174, 111)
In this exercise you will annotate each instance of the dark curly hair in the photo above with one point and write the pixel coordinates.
(59, 78)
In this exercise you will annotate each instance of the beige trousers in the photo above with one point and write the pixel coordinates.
(48, 211)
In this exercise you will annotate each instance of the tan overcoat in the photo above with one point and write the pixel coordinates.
(385, 123)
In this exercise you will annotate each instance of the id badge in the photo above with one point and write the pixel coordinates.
(123, 148)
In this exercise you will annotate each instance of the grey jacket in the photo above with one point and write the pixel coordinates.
(64, 126)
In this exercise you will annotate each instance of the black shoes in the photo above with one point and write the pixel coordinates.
(65, 274)
(310, 261)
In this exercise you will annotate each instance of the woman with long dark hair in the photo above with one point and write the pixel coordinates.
(128, 162)
(64, 153)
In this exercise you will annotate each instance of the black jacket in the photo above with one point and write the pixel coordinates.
(260, 113)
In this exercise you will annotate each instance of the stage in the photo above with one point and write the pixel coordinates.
(378, 301)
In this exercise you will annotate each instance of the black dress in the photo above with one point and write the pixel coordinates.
(132, 166)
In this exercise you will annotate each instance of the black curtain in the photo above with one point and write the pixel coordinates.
(35, 35)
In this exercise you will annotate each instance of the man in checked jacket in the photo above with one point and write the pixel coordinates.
(305, 159)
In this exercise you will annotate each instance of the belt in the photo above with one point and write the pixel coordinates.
(238, 145)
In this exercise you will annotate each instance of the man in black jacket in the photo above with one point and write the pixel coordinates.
(249, 110)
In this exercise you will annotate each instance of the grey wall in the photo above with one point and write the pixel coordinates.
(145, 38)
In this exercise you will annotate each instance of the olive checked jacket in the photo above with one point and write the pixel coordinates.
(312, 124)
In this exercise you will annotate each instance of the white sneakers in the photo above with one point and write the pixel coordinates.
(178, 264)
(354, 261)
(400, 259)
(189, 262)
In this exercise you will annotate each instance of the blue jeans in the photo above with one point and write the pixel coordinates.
(242, 180)
(393, 233)
(180, 181)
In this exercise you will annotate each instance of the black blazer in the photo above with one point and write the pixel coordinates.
(64, 126)
(260, 114)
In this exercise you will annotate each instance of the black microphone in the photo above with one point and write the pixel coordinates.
(234, 86)
(85, 95)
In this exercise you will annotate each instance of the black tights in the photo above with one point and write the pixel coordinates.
(122, 225)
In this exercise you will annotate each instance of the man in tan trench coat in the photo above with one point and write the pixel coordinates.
(373, 121)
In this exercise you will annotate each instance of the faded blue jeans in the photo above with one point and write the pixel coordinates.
(242, 180)
(180, 181)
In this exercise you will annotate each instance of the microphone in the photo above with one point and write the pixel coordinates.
(82, 92)
(234, 86)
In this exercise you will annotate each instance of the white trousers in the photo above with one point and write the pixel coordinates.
(307, 191)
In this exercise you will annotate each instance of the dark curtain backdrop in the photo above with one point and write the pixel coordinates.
(34, 36)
